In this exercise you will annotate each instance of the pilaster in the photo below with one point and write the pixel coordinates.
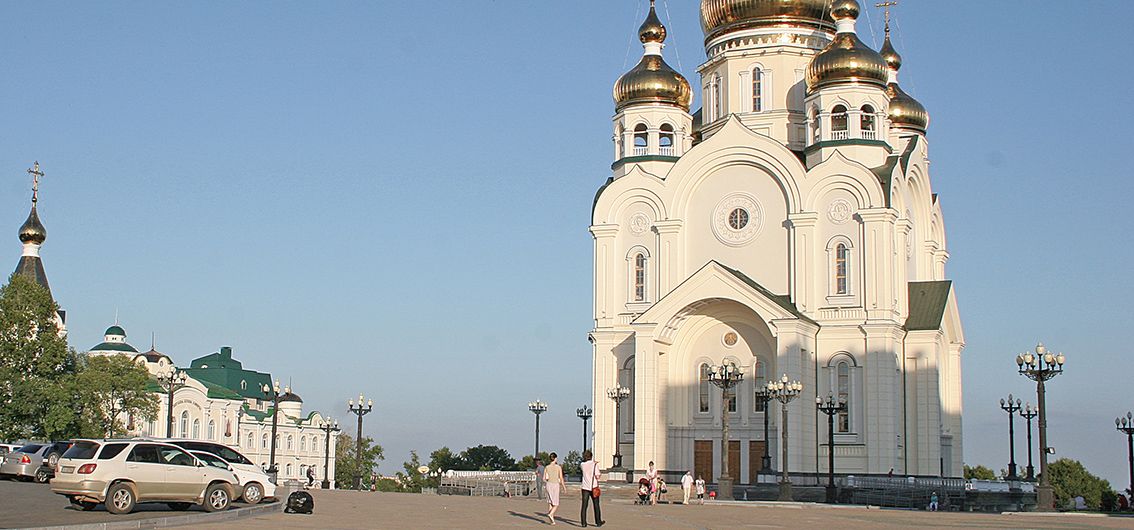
(669, 255)
(878, 245)
(801, 257)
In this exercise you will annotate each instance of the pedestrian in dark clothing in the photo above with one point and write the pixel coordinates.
(591, 477)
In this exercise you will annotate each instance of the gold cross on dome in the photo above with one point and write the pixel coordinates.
(886, 7)
(36, 174)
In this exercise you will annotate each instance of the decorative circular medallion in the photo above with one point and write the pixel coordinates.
(730, 338)
(639, 222)
(840, 211)
(737, 219)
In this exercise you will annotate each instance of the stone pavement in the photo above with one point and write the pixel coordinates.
(351, 509)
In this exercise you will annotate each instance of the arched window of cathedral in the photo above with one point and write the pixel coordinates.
(759, 380)
(619, 140)
(185, 424)
(640, 278)
(718, 106)
(641, 140)
(866, 123)
(816, 130)
(757, 89)
(196, 429)
(665, 141)
(842, 385)
(626, 379)
(839, 123)
(264, 441)
(841, 269)
(212, 430)
(703, 380)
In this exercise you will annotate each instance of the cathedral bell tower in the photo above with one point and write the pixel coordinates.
(32, 235)
(652, 124)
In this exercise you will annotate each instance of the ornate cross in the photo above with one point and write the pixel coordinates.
(36, 174)
(886, 6)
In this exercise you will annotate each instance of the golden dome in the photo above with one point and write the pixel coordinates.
(33, 231)
(652, 81)
(722, 16)
(890, 55)
(652, 29)
(847, 59)
(905, 111)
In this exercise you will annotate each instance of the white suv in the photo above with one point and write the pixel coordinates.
(253, 479)
(123, 473)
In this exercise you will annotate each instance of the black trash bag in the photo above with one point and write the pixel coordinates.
(299, 502)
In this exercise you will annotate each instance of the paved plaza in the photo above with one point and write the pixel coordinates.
(350, 509)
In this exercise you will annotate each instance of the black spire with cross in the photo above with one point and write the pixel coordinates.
(36, 175)
(886, 10)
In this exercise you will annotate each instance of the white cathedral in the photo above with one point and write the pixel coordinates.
(788, 227)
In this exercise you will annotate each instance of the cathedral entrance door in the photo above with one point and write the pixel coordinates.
(755, 459)
(703, 459)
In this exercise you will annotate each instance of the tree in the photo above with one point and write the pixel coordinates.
(347, 464)
(1070, 479)
(527, 463)
(443, 459)
(109, 388)
(979, 473)
(487, 458)
(412, 479)
(35, 364)
(571, 467)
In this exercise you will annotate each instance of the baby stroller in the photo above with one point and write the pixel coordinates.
(643, 491)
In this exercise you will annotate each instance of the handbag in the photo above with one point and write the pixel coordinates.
(595, 492)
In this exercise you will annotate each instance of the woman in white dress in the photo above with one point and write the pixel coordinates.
(553, 477)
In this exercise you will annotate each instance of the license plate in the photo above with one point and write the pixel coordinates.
(68, 469)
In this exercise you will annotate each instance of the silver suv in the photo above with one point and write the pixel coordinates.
(123, 473)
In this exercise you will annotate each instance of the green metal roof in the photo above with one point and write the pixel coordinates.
(927, 304)
(115, 330)
(783, 301)
(114, 346)
(222, 370)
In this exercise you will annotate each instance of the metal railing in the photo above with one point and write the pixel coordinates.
(488, 483)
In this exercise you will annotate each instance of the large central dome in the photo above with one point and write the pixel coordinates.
(721, 16)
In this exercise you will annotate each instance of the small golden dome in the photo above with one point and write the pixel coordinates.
(652, 29)
(847, 59)
(33, 231)
(890, 55)
(722, 16)
(905, 111)
(652, 81)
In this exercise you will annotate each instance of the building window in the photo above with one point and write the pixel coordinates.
(738, 219)
(816, 126)
(185, 424)
(196, 429)
(640, 277)
(665, 141)
(757, 89)
(866, 123)
(842, 384)
(717, 105)
(759, 380)
(641, 140)
(841, 269)
(287, 473)
(289, 442)
(839, 123)
(703, 403)
(302, 443)
(251, 441)
(314, 444)
(212, 430)
(277, 441)
(264, 441)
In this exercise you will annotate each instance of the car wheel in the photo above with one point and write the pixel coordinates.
(52, 460)
(85, 506)
(216, 498)
(120, 499)
(179, 506)
(41, 476)
(253, 493)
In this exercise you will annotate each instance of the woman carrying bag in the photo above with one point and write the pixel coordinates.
(591, 491)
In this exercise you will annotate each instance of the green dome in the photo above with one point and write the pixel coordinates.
(115, 330)
(114, 346)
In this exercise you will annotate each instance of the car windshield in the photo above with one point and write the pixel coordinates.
(211, 460)
(82, 450)
(30, 448)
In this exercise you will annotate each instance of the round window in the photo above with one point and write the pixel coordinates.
(730, 339)
(738, 218)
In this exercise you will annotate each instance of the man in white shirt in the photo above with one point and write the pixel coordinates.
(591, 478)
(687, 486)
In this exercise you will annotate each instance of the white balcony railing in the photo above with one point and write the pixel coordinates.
(839, 135)
(667, 151)
(639, 151)
(869, 135)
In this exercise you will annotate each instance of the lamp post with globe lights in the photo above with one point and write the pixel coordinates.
(1126, 426)
(831, 407)
(1028, 413)
(328, 427)
(784, 391)
(537, 407)
(272, 392)
(763, 397)
(1011, 407)
(726, 376)
(360, 410)
(584, 413)
(171, 381)
(1041, 367)
(618, 394)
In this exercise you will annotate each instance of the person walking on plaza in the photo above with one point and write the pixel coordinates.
(700, 485)
(553, 481)
(686, 487)
(310, 477)
(652, 475)
(590, 488)
(539, 469)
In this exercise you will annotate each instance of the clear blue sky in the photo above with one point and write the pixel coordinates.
(393, 198)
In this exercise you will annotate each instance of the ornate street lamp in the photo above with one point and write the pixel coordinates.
(763, 397)
(1126, 425)
(1028, 413)
(360, 410)
(1011, 407)
(784, 391)
(831, 407)
(170, 382)
(618, 394)
(272, 392)
(537, 407)
(328, 427)
(725, 376)
(584, 413)
(1041, 367)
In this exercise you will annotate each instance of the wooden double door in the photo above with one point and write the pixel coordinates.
(703, 451)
